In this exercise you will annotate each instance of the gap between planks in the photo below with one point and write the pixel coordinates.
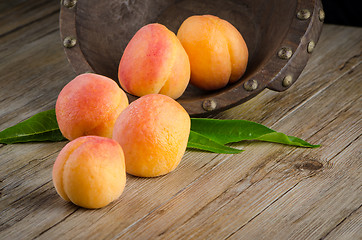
(343, 229)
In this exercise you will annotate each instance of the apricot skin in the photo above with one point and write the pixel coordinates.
(90, 171)
(217, 52)
(153, 132)
(89, 105)
(154, 61)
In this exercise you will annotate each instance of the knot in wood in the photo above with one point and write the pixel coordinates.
(310, 165)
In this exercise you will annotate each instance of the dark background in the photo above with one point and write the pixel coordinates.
(343, 12)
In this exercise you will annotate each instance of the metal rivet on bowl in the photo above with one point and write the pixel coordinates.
(287, 81)
(322, 15)
(285, 53)
(69, 3)
(69, 42)
(209, 105)
(251, 85)
(310, 47)
(303, 14)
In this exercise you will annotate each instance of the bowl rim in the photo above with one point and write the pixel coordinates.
(279, 72)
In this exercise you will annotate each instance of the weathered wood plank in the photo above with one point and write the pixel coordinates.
(33, 71)
(348, 228)
(18, 14)
(313, 206)
(34, 74)
(30, 54)
(30, 82)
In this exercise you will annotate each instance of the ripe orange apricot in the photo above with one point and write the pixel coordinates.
(154, 61)
(153, 132)
(90, 171)
(89, 105)
(217, 52)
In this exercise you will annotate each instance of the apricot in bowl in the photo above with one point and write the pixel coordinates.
(154, 61)
(217, 52)
(102, 38)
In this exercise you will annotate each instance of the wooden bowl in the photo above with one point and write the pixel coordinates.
(280, 35)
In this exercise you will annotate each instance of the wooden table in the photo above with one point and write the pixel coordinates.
(270, 191)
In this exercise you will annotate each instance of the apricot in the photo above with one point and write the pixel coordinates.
(217, 52)
(154, 61)
(153, 132)
(89, 105)
(90, 171)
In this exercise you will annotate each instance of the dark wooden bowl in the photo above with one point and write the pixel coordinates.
(280, 35)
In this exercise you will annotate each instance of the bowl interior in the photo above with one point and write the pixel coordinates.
(105, 27)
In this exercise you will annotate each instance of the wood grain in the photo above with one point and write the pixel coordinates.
(270, 191)
(348, 228)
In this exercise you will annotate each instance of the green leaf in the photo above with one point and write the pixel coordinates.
(227, 131)
(198, 141)
(206, 134)
(40, 127)
(278, 137)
